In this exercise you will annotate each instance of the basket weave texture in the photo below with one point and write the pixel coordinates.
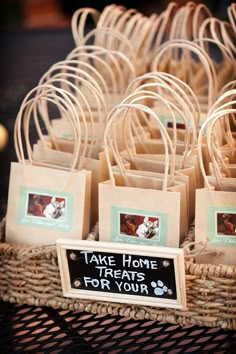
(31, 276)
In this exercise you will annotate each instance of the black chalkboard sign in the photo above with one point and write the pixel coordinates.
(112, 272)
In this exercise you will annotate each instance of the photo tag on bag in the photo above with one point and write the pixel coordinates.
(222, 226)
(145, 276)
(138, 227)
(154, 215)
(216, 224)
(45, 209)
(42, 209)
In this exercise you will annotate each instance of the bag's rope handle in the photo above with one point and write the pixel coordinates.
(109, 38)
(165, 23)
(102, 51)
(78, 22)
(180, 27)
(231, 11)
(118, 21)
(75, 66)
(218, 30)
(207, 129)
(112, 18)
(123, 20)
(98, 62)
(137, 97)
(229, 39)
(29, 105)
(62, 80)
(224, 101)
(201, 13)
(108, 13)
(183, 112)
(81, 77)
(217, 157)
(124, 69)
(202, 55)
(149, 40)
(126, 119)
(137, 30)
(95, 77)
(66, 85)
(52, 98)
(226, 69)
(132, 27)
(181, 87)
(229, 86)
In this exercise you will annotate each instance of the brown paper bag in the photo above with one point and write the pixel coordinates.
(215, 222)
(166, 92)
(44, 201)
(91, 128)
(141, 200)
(154, 180)
(96, 165)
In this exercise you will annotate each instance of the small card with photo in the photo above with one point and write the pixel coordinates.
(225, 226)
(138, 226)
(43, 208)
(215, 224)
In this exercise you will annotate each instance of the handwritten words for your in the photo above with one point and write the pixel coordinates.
(128, 276)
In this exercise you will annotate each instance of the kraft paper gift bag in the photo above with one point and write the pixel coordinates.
(143, 201)
(171, 98)
(153, 149)
(44, 201)
(217, 39)
(231, 11)
(215, 222)
(63, 132)
(154, 180)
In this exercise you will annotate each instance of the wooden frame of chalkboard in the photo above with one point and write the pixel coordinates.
(115, 272)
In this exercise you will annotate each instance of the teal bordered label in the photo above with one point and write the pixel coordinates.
(138, 226)
(221, 226)
(44, 208)
(168, 121)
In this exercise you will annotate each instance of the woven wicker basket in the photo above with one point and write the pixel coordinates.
(31, 276)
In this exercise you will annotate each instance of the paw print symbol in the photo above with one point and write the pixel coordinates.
(160, 289)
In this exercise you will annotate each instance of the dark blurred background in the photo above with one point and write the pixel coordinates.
(56, 13)
(34, 35)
